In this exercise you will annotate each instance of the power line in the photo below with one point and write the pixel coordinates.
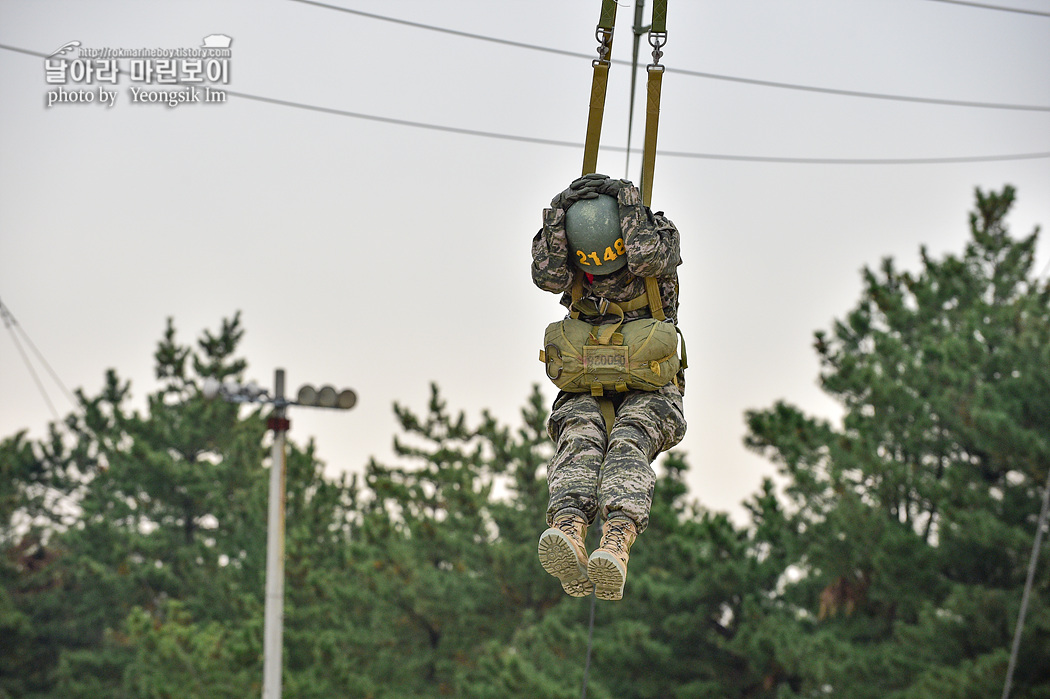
(682, 71)
(856, 161)
(866, 95)
(29, 365)
(995, 7)
(11, 324)
(620, 149)
(25, 51)
(446, 30)
(407, 122)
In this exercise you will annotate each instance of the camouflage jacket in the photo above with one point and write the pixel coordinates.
(652, 245)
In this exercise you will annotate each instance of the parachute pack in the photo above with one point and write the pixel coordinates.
(640, 355)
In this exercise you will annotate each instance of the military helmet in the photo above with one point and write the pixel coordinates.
(592, 227)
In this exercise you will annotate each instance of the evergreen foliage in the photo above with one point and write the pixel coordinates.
(887, 560)
(912, 523)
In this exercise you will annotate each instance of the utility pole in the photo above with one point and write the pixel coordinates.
(1044, 513)
(273, 628)
(326, 397)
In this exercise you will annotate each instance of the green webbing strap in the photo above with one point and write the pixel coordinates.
(659, 16)
(599, 83)
(652, 294)
(594, 117)
(657, 34)
(652, 124)
(635, 303)
(608, 413)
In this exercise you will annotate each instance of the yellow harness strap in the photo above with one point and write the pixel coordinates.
(652, 295)
(575, 294)
(608, 413)
(599, 84)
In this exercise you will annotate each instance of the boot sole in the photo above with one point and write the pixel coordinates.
(607, 574)
(558, 557)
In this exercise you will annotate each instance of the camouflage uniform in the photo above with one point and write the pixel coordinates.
(594, 472)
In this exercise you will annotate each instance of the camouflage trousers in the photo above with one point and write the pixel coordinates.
(596, 472)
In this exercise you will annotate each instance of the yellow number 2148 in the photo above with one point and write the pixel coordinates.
(611, 253)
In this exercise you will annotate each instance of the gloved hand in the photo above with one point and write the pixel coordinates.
(588, 182)
(570, 196)
(611, 187)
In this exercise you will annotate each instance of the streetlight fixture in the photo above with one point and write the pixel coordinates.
(326, 397)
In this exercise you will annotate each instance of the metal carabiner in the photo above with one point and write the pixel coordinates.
(604, 37)
(657, 40)
(550, 352)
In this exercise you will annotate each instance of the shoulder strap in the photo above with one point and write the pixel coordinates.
(599, 85)
(652, 293)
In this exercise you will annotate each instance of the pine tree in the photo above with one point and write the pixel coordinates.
(431, 551)
(421, 579)
(912, 522)
(134, 511)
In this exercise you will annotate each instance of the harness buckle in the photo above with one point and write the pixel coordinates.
(601, 304)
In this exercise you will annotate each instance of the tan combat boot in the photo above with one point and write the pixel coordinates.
(607, 566)
(564, 555)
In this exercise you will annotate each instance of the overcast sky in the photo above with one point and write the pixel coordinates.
(383, 256)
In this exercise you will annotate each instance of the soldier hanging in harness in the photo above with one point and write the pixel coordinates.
(617, 364)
